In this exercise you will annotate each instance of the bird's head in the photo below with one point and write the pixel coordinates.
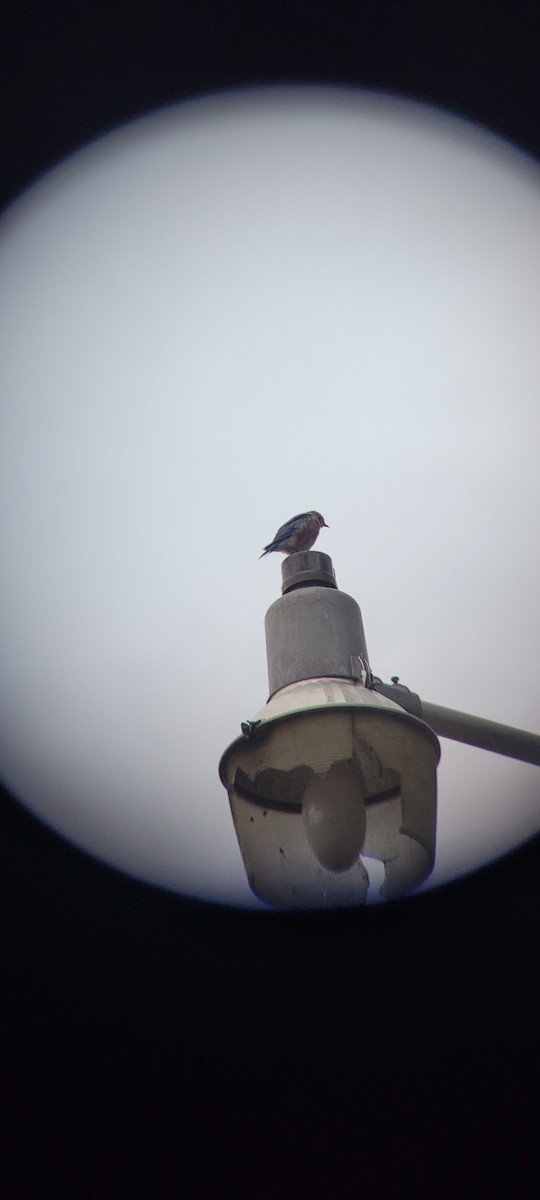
(321, 520)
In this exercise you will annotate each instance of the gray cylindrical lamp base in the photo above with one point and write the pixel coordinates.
(313, 630)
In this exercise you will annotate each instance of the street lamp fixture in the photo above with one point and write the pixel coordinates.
(329, 773)
(339, 769)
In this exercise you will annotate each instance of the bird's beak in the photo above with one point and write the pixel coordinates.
(325, 525)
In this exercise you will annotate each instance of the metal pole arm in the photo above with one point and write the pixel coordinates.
(464, 727)
(488, 735)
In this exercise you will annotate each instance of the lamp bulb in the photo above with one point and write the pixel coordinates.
(334, 817)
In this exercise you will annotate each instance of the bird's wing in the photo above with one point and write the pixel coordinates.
(289, 527)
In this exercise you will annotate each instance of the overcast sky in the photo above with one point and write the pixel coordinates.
(234, 311)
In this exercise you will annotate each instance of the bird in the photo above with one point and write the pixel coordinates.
(297, 534)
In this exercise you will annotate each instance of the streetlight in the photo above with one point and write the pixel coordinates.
(338, 767)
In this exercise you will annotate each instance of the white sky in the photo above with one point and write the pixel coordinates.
(236, 310)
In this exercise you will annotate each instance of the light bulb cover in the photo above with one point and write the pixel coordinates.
(330, 772)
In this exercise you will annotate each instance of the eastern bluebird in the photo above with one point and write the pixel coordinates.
(297, 534)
